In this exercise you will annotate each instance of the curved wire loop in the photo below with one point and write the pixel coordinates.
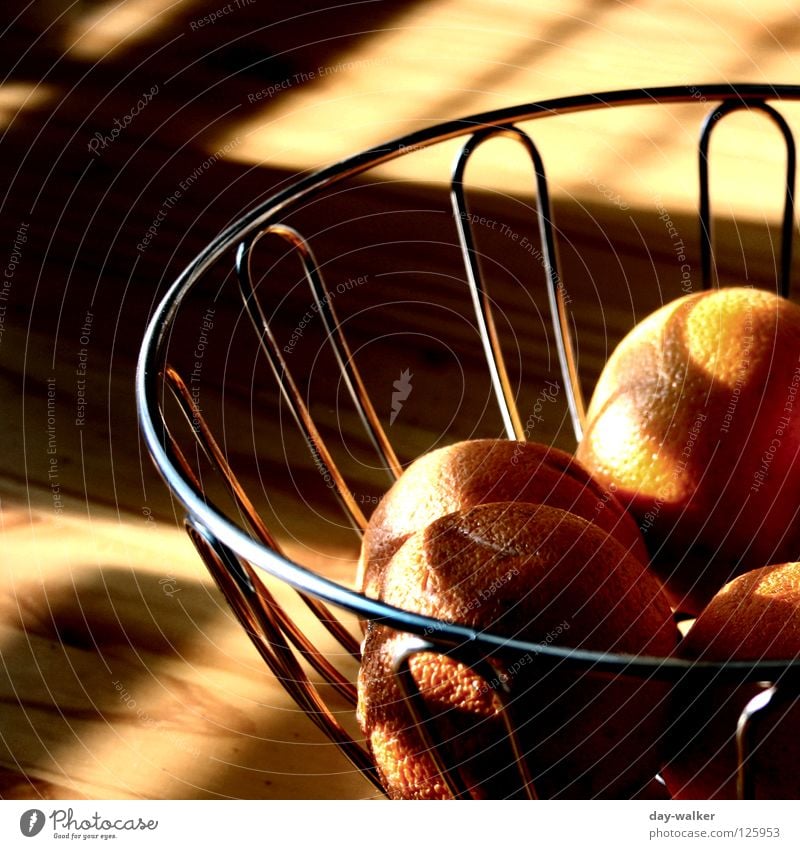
(216, 458)
(422, 717)
(323, 300)
(787, 224)
(482, 302)
(233, 556)
(291, 394)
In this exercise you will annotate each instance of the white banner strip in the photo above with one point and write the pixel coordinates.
(399, 825)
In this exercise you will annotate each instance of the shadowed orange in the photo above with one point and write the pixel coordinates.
(756, 616)
(483, 471)
(548, 577)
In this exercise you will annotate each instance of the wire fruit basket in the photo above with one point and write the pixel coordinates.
(239, 548)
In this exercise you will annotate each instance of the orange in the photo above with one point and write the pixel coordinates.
(696, 422)
(756, 616)
(547, 577)
(483, 471)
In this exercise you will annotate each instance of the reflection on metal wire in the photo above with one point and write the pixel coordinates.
(235, 556)
(555, 287)
(713, 119)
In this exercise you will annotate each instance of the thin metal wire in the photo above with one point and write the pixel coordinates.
(502, 694)
(266, 600)
(238, 584)
(288, 388)
(450, 775)
(498, 681)
(480, 298)
(232, 556)
(323, 299)
(423, 719)
(205, 439)
(747, 732)
(215, 456)
(712, 120)
(157, 334)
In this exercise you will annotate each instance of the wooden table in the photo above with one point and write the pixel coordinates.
(132, 134)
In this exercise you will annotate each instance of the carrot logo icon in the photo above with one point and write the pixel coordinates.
(400, 395)
(31, 822)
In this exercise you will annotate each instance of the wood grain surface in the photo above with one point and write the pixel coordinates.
(132, 133)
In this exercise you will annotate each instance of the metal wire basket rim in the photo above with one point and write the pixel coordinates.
(215, 527)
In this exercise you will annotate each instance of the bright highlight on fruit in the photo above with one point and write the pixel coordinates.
(696, 422)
